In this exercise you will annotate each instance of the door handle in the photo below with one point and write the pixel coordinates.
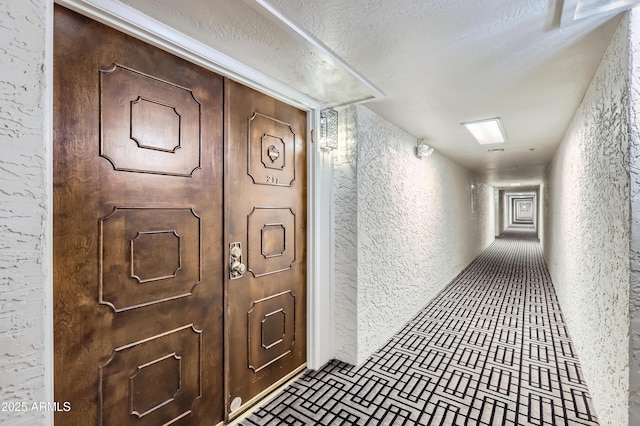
(236, 267)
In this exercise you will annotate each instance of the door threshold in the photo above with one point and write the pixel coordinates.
(265, 396)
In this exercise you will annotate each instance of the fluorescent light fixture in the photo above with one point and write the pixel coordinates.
(515, 184)
(487, 131)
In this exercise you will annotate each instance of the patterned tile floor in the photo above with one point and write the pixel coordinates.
(491, 349)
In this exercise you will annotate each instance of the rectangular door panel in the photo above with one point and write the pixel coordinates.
(271, 242)
(162, 374)
(138, 103)
(271, 329)
(270, 143)
(148, 256)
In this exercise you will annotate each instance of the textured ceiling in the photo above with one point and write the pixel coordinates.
(426, 66)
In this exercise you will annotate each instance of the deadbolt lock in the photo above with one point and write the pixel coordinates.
(236, 267)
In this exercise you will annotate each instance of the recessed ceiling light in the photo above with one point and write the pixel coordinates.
(487, 131)
(515, 184)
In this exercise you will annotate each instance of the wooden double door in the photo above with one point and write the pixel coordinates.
(179, 235)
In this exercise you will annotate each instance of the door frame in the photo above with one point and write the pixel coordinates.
(319, 164)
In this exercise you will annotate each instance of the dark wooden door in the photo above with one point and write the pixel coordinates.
(138, 221)
(266, 227)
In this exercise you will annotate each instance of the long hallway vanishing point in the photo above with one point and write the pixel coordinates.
(491, 349)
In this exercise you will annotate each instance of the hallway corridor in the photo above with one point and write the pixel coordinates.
(491, 349)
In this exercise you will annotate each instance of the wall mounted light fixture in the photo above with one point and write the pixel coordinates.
(422, 149)
(328, 129)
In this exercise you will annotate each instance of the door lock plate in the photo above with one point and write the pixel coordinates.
(236, 267)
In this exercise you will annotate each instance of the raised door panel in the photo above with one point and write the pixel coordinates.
(148, 256)
(162, 376)
(148, 125)
(271, 329)
(271, 240)
(271, 151)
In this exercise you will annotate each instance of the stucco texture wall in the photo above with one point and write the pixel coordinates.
(346, 239)
(405, 226)
(586, 231)
(22, 207)
(634, 169)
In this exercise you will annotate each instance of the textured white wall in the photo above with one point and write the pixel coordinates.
(634, 161)
(22, 206)
(586, 233)
(346, 239)
(418, 223)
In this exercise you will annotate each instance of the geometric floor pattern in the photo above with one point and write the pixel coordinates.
(491, 349)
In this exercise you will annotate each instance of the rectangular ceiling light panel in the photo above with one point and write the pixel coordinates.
(488, 131)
